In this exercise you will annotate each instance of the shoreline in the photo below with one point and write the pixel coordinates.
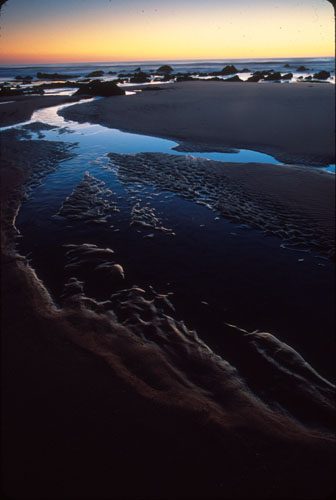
(293, 123)
(12, 114)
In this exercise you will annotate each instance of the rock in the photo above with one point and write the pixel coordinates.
(322, 75)
(286, 66)
(95, 73)
(185, 78)
(287, 76)
(98, 88)
(229, 70)
(8, 92)
(233, 79)
(57, 85)
(165, 69)
(139, 77)
(137, 70)
(256, 77)
(53, 76)
(112, 73)
(166, 78)
(272, 77)
(245, 70)
(27, 77)
(302, 68)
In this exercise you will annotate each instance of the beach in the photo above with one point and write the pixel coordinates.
(294, 123)
(117, 397)
(18, 109)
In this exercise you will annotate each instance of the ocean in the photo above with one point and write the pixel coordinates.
(196, 67)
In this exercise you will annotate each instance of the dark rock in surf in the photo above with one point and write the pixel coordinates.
(302, 68)
(233, 79)
(165, 69)
(185, 78)
(322, 75)
(53, 76)
(8, 92)
(94, 74)
(98, 88)
(27, 77)
(287, 76)
(256, 77)
(229, 70)
(140, 77)
(273, 77)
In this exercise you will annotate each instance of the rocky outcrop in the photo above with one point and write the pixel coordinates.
(165, 69)
(233, 79)
(8, 92)
(256, 77)
(287, 76)
(185, 78)
(322, 75)
(229, 70)
(53, 76)
(98, 88)
(27, 77)
(273, 77)
(302, 68)
(94, 74)
(140, 77)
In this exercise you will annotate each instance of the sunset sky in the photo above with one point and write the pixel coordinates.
(46, 31)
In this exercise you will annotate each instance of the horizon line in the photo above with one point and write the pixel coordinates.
(37, 63)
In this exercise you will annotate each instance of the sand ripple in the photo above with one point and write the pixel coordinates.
(301, 220)
(140, 336)
(89, 201)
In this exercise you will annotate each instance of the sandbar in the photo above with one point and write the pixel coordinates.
(295, 123)
(19, 109)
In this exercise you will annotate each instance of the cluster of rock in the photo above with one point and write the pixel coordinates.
(53, 76)
(99, 88)
(96, 87)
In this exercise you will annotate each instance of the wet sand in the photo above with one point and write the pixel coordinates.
(17, 109)
(295, 123)
(98, 392)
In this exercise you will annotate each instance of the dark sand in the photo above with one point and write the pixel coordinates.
(294, 123)
(118, 399)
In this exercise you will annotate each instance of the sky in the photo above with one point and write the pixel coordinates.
(55, 31)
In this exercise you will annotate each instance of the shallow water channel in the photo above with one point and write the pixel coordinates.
(217, 271)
